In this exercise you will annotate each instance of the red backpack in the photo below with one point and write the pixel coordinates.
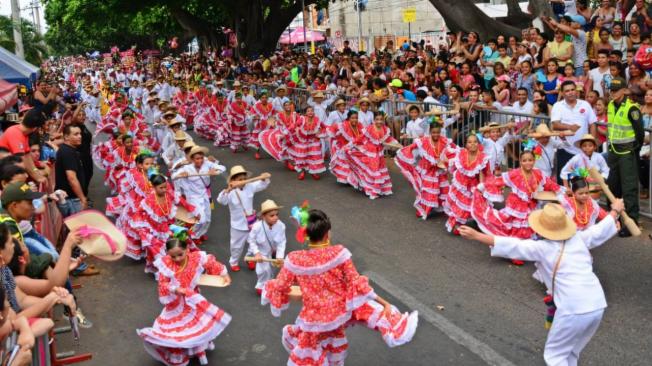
(643, 57)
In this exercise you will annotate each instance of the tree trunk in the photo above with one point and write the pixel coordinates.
(463, 15)
(205, 32)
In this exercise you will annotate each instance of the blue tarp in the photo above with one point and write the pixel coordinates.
(15, 70)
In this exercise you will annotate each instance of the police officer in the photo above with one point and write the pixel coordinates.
(625, 137)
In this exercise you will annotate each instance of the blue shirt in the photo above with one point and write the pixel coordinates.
(409, 96)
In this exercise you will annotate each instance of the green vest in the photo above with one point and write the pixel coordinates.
(12, 225)
(620, 130)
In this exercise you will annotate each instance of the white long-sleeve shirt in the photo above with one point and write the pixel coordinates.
(547, 160)
(320, 108)
(366, 118)
(168, 139)
(582, 161)
(416, 128)
(496, 149)
(577, 288)
(277, 103)
(196, 187)
(237, 207)
(335, 117)
(264, 239)
(172, 154)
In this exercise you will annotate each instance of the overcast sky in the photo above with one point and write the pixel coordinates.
(5, 9)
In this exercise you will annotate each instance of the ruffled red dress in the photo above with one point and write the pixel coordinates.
(152, 224)
(280, 139)
(237, 112)
(222, 124)
(188, 323)
(343, 137)
(306, 152)
(205, 121)
(367, 161)
(422, 164)
(466, 176)
(334, 296)
(121, 162)
(512, 219)
(262, 112)
(586, 217)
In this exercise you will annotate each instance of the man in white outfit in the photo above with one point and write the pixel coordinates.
(319, 104)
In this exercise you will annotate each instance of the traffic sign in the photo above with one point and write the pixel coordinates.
(409, 15)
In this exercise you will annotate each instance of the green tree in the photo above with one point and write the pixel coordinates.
(35, 49)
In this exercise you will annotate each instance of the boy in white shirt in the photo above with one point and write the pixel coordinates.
(415, 127)
(267, 240)
(494, 144)
(587, 159)
(319, 104)
(549, 144)
(194, 180)
(240, 197)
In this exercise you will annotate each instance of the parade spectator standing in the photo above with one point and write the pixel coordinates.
(16, 140)
(69, 172)
(79, 120)
(625, 136)
(572, 114)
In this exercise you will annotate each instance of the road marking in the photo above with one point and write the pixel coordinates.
(457, 334)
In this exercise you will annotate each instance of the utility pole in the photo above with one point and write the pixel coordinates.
(312, 33)
(303, 22)
(18, 35)
(359, 26)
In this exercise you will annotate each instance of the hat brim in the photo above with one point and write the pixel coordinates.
(579, 142)
(270, 209)
(184, 215)
(409, 107)
(559, 233)
(96, 245)
(546, 196)
(211, 281)
(490, 127)
(246, 173)
(198, 150)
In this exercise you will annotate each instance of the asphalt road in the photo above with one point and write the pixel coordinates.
(474, 309)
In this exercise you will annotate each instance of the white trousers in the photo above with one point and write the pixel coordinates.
(569, 334)
(204, 204)
(264, 269)
(238, 242)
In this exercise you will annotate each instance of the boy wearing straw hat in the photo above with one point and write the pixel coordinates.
(563, 258)
(586, 159)
(280, 98)
(339, 115)
(174, 152)
(267, 240)
(494, 144)
(549, 142)
(194, 181)
(415, 127)
(365, 115)
(319, 104)
(240, 199)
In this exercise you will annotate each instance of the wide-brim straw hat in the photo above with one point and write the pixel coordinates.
(491, 126)
(339, 101)
(180, 136)
(409, 107)
(189, 144)
(184, 215)
(318, 95)
(162, 102)
(236, 83)
(269, 205)
(197, 149)
(102, 239)
(542, 130)
(153, 94)
(235, 170)
(586, 137)
(546, 196)
(552, 223)
(282, 87)
(173, 122)
(364, 100)
(169, 114)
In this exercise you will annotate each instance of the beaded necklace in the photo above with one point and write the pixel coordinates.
(585, 219)
(320, 245)
(165, 211)
(527, 184)
(183, 266)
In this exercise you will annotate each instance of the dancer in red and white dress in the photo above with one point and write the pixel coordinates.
(469, 167)
(344, 136)
(154, 217)
(122, 159)
(262, 111)
(424, 164)
(222, 124)
(280, 137)
(205, 122)
(580, 207)
(238, 111)
(334, 296)
(307, 148)
(367, 160)
(188, 323)
(523, 183)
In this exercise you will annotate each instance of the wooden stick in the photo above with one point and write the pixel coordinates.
(269, 260)
(629, 223)
(392, 146)
(196, 175)
(250, 180)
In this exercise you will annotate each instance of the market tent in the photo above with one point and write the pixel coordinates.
(296, 36)
(15, 70)
(8, 95)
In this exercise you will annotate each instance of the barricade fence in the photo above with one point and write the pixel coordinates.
(459, 122)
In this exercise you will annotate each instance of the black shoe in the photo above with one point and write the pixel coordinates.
(624, 233)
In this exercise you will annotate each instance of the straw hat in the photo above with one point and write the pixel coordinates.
(189, 144)
(101, 238)
(183, 215)
(180, 136)
(211, 281)
(235, 170)
(236, 83)
(169, 114)
(269, 205)
(153, 94)
(490, 126)
(542, 130)
(546, 196)
(197, 149)
(410, 106)
(318, 95)
(282, 87)
(162, 102)
(364, 100)
(587, 137)
(339, 101)
(552, 223)
(174, 122)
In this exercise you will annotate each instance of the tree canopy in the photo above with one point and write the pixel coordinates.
(33, 43)
(77, 26)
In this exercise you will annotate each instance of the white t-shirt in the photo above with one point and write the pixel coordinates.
(581, 115)
(597, 76)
